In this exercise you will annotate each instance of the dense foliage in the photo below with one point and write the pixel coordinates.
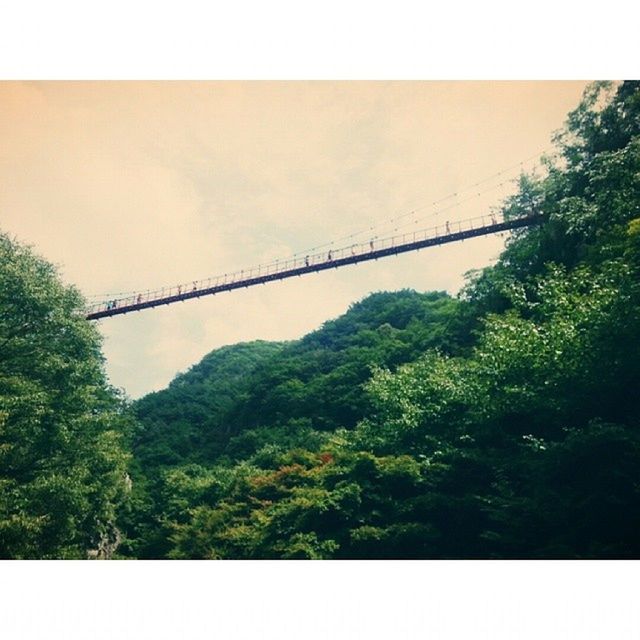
(62, 461)
(187, 421)
(248, 399)
(503, 424)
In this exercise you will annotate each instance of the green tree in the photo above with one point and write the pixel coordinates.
(62, 461)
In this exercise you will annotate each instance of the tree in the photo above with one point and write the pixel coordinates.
(62, 460)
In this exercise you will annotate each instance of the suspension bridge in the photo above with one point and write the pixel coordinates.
(301, 265)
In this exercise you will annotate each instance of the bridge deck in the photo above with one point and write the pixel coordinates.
(318, 262)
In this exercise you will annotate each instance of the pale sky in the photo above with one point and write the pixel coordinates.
(135, 185)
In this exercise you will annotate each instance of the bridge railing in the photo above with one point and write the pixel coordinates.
(299, 262)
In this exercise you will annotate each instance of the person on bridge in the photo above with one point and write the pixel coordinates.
(139, 298)
(329, 256)
(306, 261)
(371, 244)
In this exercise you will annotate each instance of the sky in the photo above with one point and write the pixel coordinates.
(129, 186)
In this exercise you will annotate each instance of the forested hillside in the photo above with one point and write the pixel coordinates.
(253, 399)
(501, 424)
